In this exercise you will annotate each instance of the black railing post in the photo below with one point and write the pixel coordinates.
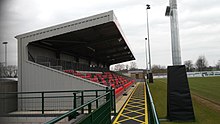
(97, 101)
(89, 107)
(114, 102)
(74, 100)
(106, 92)
(42, 104)
(82, 102)
(111, 100)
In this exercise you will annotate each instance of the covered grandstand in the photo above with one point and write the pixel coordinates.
(89, 44)
(72, 56)
(64, 76)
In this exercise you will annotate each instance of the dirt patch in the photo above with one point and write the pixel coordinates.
(213, 105)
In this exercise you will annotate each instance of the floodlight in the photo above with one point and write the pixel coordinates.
(167, 13)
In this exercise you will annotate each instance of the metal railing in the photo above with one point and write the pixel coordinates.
(152, 114)
(101, 114)
(53, 102)
(65, 65)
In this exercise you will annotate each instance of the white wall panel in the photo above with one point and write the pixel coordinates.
(41, 78)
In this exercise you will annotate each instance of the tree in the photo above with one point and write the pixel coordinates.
(189, 65)
(133, 66)
(126, 66)
(119, 67)
(10, 71)
(201, 63)
(116, 68)
(122, 67)
(158, 69)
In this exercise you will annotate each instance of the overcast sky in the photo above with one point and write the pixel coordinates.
(199, 23)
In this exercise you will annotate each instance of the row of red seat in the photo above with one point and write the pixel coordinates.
(120, 83)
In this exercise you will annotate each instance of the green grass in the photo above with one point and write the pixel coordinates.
(200, 86)
(208, 87)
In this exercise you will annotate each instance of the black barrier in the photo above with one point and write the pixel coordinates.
(151, 80)
(179, 103)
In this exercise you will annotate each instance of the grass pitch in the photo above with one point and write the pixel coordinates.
(206, 87)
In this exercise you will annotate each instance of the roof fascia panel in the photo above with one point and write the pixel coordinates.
(68, 27)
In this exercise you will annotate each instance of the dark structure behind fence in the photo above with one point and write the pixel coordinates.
(10, 104)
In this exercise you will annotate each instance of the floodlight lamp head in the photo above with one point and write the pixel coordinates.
(5, 43)
(148, 6)
(168, 11)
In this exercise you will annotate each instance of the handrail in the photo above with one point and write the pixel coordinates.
(43, 96)
(155, 117)
(58, 91)
(74, 110)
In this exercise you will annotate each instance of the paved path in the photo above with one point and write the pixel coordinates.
(135, 109)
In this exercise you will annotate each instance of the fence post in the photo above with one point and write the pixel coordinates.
(111, 100)
(82, 102)
(114, 102)
(97, 102)
(89, 107)
(42, 104)
(106, 92)
(89, 111)
(74, 100)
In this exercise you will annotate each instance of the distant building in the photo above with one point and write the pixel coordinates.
(138, 74)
